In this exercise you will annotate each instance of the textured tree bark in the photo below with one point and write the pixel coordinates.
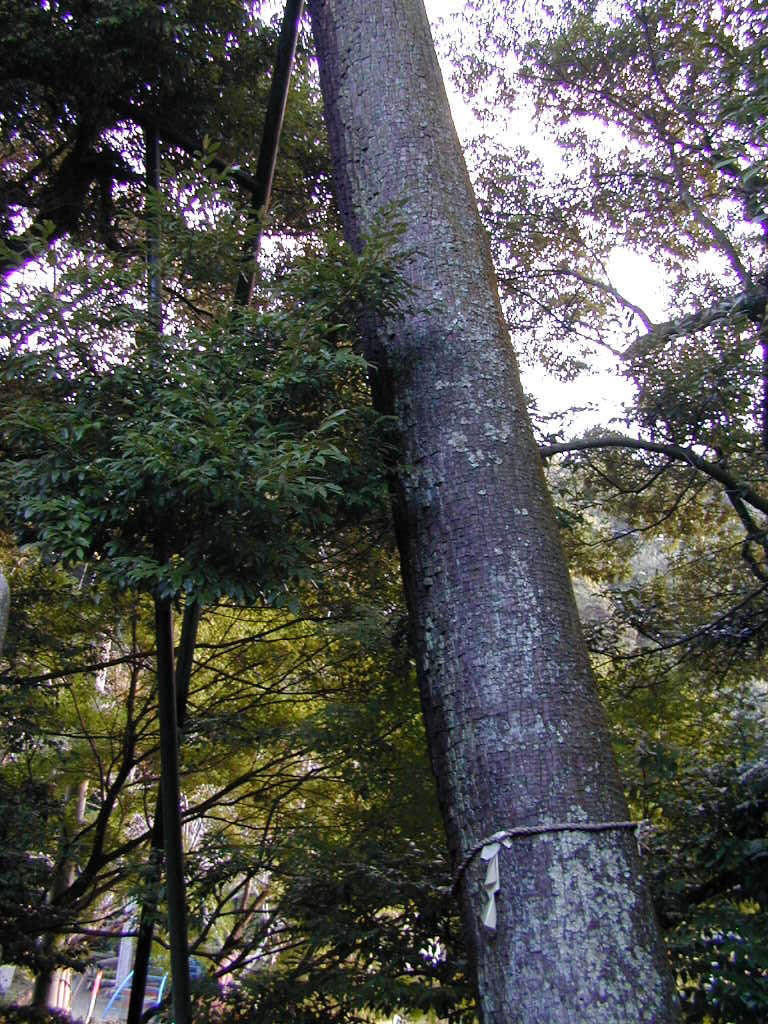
(515, 730)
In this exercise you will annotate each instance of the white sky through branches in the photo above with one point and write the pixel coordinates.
(631, 273)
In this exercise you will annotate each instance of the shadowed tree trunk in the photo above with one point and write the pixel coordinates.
(151, 901)
(516, 734)
(270, 142)
(170, 802)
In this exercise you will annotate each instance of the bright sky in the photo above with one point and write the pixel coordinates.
(632, 273)
(438, 11)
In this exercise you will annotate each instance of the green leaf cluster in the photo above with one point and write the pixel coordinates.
(209, 462)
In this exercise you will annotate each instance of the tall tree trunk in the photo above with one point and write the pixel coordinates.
(515, 730)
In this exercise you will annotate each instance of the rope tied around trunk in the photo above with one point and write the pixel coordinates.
(489, 851)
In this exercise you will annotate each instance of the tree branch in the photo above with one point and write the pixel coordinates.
(711, 469)
(605, 286)
(754, 535)
(716, 233)
(751, 303)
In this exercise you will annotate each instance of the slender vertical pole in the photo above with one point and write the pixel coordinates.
(270, 140)
(146, 928)
(149, 904)
(94, 995)
(154, 276)
(170, 798)
(155, 317)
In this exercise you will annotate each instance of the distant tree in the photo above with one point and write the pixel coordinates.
(678, 178)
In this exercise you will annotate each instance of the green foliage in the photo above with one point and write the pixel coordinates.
(78, 84)
(310, 814)
(229, 459)
(650, 109)
(332, 814)
(165, 459)
(59, 729)
(224, 457)
(683, 683)
(707, 857)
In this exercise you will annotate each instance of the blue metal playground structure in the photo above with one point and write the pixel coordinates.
(125, 983)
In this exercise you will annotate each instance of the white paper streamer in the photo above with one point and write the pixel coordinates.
(492, 884)
(489, 847)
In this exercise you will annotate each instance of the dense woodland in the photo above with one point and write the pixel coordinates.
(164, 445)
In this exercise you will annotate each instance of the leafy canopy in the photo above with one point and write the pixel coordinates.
(205, 461)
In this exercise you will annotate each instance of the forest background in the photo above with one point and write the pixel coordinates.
(169, 444)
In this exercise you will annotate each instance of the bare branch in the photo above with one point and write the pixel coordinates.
(716, 233)
(70, 670)
(605, 286)
(711, 469)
